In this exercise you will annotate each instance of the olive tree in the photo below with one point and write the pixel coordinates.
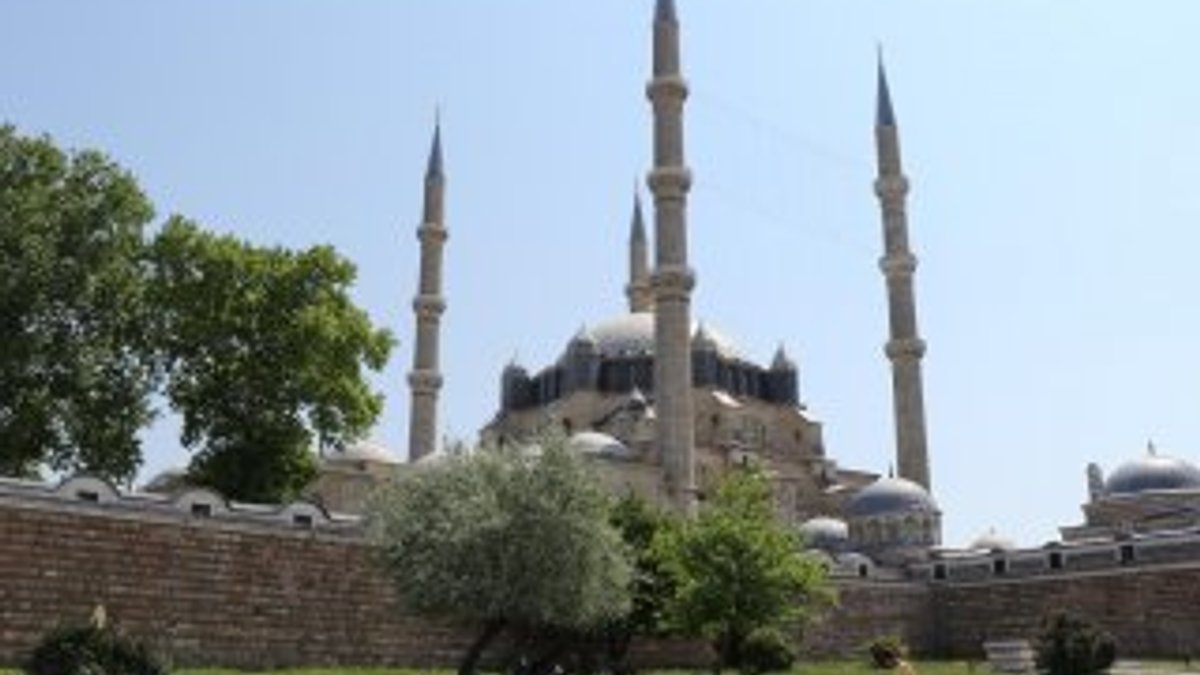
(508, 539)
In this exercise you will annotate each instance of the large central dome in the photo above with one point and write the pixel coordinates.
(633, 334)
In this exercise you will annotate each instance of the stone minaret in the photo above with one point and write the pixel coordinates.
(425, 380)
(673, 280)
(905, 347)
(639, 292)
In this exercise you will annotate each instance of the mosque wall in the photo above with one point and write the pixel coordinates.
(253, 587)
(868, 609)
(224, 589)
(1150, 608)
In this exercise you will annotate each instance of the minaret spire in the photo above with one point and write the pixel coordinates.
(425, 379)
(672, 280)
(884, 115)
(904, 348)
(641, 298)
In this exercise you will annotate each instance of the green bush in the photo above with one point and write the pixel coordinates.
(887, 651)
(92, 650)
(766, 651)
(1072, 645)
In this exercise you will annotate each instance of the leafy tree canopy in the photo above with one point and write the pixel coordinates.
(507, 538)
(264, 352)
(737, 569)
(74, 383)
(260, 349)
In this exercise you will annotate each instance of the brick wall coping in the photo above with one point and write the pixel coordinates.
(193, 507)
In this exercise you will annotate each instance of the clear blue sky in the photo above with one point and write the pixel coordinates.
(1052, 149)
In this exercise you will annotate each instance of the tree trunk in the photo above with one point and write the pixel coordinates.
(490, 630)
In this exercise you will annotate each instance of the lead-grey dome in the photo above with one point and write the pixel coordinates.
(633, 334)
(891, 496)
(825, 533)
(599, 444)
(992, 541)
(1153, 472)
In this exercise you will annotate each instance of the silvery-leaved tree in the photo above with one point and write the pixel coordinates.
(514, 539)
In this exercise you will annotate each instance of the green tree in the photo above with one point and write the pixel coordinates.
(263, 352)
(1069, 644)
(737, 569)
(509, 539)
(74, 380)
(639, 524)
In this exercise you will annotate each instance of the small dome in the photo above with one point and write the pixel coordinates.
(363, 451)
(891, 496)
(991, 541)
(1151, 473)
(598, 444)
(825, 533)
(633, 333)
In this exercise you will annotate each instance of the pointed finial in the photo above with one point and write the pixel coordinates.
(782, 361)
(637, 225)
(434, 169)
(664, 10)
(1150, 449)
(884, 115)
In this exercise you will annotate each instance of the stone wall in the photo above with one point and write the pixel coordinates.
(220, 585)
(207, 592)
(1152, 610)
(255, 587)
(868, 609)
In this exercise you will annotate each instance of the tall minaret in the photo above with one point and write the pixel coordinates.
(905, 347)
(425, 380)
(639, 292)
(673, 280)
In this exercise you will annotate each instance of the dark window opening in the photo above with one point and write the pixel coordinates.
(1056, 561)
(1128, 555)
(863, 571)
(87, 496)
(202, 510)
(939, 572)
(302, 520)
(1000, 567)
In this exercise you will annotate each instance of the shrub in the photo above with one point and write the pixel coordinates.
(766, 651)
(1072, 645)
(887, 651)
(92, 650)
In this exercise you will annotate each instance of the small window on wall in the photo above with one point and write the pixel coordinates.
(1000, 566)
(1128, 554)
(864, 571)
(1056, 560)
(939, 572)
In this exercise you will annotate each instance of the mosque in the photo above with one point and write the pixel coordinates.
(664, 404)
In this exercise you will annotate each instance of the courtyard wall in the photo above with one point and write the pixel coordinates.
(248, 586)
